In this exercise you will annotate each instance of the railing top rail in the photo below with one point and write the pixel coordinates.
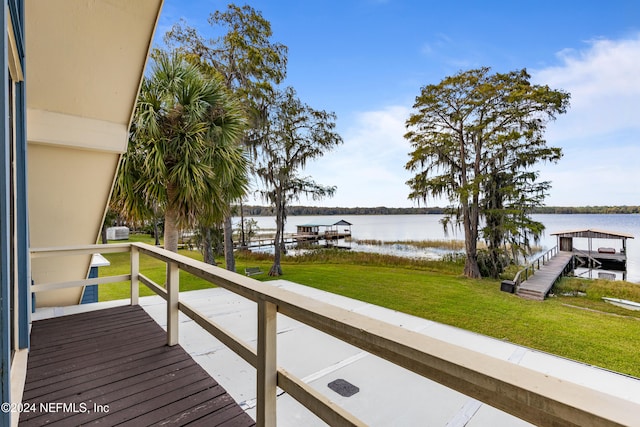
(525, 393)
(79, 250)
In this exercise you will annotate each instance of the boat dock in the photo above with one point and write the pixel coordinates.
(260, 242)
(330, 233)
(538, 285)
(538, 277)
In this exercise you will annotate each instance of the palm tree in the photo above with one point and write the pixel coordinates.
(248, 61)
(183, 156)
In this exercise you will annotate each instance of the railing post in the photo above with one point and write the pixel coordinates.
(267, 365)
(173, 284)
(135, 270)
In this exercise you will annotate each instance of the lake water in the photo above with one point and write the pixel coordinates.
(428, 227)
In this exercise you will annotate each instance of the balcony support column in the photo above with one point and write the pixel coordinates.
(135, 270)
(267, 365)
(173, 284)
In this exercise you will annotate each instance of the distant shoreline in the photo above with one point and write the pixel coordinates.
(254, 210)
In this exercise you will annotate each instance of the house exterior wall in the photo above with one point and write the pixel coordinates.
(14, 255)
(84, 63)
(68, 191)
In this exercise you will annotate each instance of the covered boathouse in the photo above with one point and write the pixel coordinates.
(324, 230)
(606, 256)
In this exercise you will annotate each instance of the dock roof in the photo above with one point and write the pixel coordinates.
(325, 224)
(593, 233)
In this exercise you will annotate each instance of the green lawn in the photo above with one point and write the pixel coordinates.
(580, 328)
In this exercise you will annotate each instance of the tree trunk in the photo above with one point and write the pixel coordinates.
(228, 244)
(156, 233)
(243, 243)
(471, 268)
(207, 246)
(103, 234)
(276, 269)
(171, 221)
(495, 219)
(171, 229)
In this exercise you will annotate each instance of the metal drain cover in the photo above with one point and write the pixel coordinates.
(343, 388)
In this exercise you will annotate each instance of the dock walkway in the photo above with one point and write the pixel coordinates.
(538, 286)
(329, 237)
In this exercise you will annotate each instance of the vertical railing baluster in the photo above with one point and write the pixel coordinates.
(267, 365)
(135, 270)
(173, 285)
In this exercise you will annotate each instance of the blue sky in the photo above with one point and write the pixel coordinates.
(366, 60)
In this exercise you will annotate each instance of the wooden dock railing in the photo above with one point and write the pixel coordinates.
(530, 395)
(591, 261)
(530, 269)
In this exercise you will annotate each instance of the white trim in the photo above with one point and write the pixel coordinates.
(15, 67)
(18, 377)
(47, 127)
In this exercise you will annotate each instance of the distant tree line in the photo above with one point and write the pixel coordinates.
(587, 210)
(251, 210)
(314, 210)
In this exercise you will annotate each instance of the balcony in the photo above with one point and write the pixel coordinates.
(400, 357)
(113, 366)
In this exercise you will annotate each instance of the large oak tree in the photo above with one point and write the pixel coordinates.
(476, 137)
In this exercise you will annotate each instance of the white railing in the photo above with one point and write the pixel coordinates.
(530, 395)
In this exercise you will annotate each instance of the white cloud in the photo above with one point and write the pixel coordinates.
(600, 176)
(600, 134)
(441, 41)
(369, 167)
(604, 83)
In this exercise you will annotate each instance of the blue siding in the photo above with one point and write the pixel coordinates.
(24, 275)
(90, 292)
(22, 269)
(5, 229)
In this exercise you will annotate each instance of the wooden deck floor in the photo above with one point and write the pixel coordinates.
(539, 285)
(117, 359)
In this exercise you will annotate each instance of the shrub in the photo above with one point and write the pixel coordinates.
(490, 266)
